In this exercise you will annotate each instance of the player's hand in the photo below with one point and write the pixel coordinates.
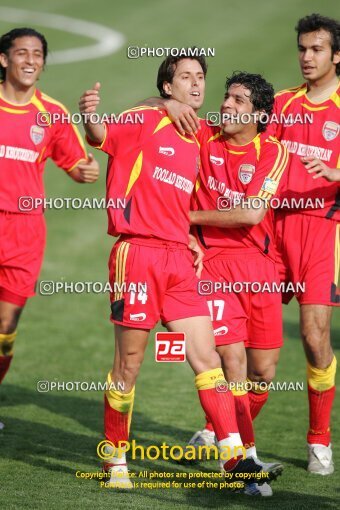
(89, 171)
(198, 255)
(184, 117)
(90, 100)
(320, 169)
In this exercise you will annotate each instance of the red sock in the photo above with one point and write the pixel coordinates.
(208, 425)
(218, 404)
(320, 407)
(257, 401)
(116, 424)
(244, 420)
(220, 408)
(5, 362)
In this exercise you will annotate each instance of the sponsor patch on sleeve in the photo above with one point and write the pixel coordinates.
(269, 185)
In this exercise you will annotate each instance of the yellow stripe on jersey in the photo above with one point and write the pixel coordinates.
(277, 161)
(337, 254)
(162, 124)
(235, 152)
(81, 160)
(41, 154)
(38, 104)
(263, 195)
(118, 268)
(121, 257)
(212, 138)
(196, 140)
(286, 91)
(257, 143)
(166, 121)
(187, 139)
(282, 165)
(277, 170)
(135, 172)
(124, 257)
(80, 138)
(314, 108)
(53, 101)
(299, 93)
(336, 99)
(197, 184)
(138, 108)
(65, 110)
(12, 110)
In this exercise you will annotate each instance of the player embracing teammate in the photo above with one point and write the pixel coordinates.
(153, 248)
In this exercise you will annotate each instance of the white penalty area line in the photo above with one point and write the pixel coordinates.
(107, 40)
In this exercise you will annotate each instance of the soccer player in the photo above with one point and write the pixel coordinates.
(240, 163)
(309, 237)
(155, 169)
(25, 146)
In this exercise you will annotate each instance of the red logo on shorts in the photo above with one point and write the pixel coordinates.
(170, 347)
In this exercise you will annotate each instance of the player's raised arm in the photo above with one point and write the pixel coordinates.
(183, 115)
(88, 105)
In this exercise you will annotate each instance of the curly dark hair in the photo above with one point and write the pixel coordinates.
(6, 41)
(315, 22)
(261, 93)
(167, 68)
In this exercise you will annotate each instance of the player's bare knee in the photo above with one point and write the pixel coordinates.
(234, 364)
(263, 374)
(203, 361)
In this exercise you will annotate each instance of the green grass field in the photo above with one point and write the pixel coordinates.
(68, 337)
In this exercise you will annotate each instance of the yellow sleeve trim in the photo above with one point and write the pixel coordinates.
(82, 160)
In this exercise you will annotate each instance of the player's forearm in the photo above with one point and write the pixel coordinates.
(234, 218)
(95, 132)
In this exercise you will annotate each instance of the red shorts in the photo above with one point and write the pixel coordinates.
(241, 312)
(23, 239)
(309, 247)
(150, 280)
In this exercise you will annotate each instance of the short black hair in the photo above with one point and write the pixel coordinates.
(7, 39)
(315, 22)
(261, 93)
(167, 68)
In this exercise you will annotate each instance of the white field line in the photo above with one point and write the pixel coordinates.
(107, 40)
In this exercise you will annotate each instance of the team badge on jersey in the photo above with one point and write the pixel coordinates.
(216, 161)
(245, 173)
(37, 134)
(330, 130)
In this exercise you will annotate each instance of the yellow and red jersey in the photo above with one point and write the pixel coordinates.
(236, 172)
(25, 146)
(153, 169)
(318, 139)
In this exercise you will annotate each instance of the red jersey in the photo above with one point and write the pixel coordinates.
(318, 139)
(153, 169)
(25, 146)
(236, 172)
